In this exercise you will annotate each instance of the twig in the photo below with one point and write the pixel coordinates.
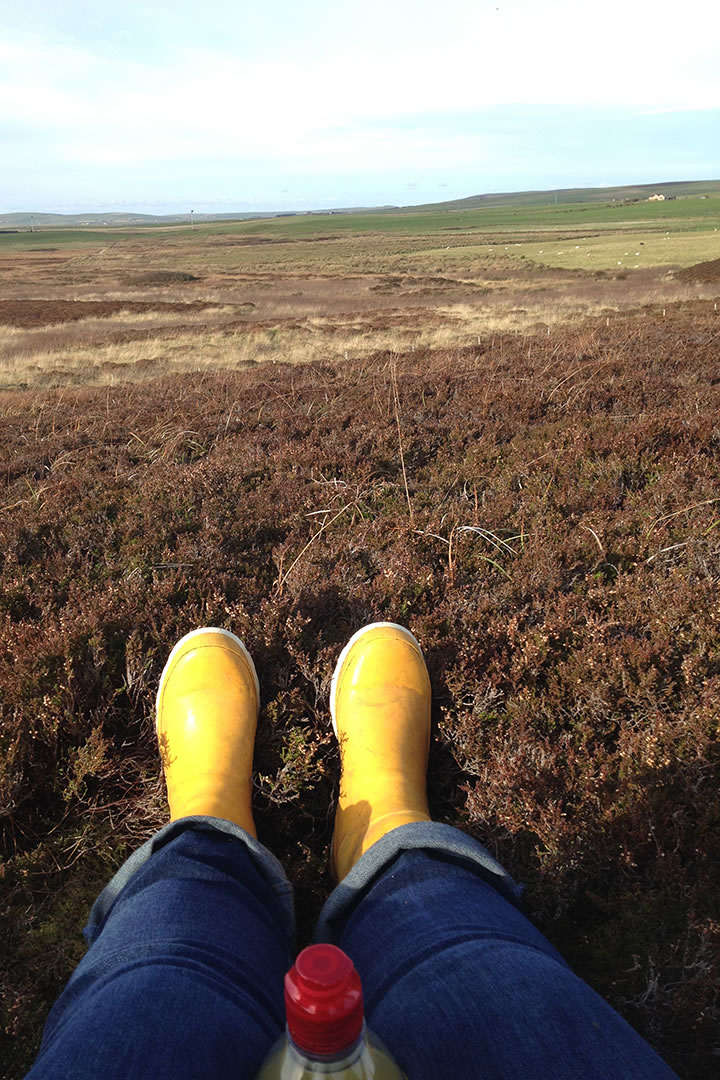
(597, 539)
(295, 561)
(496, 541)
(393, 373)
(484, 533)
(668, 517)
(674, 547)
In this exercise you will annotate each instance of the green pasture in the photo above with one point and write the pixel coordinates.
(74, 237)
(607, 251)
(673, 188)
(686, 214)
(627, 251)
(676, 232)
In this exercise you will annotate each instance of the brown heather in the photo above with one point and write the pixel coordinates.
(559, 560)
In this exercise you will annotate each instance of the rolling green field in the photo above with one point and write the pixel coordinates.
(689, 214)
(58, 237)
(676, 188)
(634, 251)
(590, 236)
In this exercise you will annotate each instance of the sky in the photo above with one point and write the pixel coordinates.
(229, 105)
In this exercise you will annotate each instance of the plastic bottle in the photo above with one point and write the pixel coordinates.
(326, 1034)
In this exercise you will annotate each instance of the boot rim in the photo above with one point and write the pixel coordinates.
(344, 654)
(179, 646)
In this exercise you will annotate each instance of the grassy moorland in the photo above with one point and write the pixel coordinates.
(94, 306)
(538, 501)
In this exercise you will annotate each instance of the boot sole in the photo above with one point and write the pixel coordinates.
(343, 656)
(196, 633)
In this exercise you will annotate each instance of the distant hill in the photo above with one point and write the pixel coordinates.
(671, 188)
(28, 219)
(677, 188)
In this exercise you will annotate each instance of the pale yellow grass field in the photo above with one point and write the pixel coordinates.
(57, 355)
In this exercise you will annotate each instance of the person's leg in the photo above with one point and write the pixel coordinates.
(184, 975)
(457, 981)
(191, 939)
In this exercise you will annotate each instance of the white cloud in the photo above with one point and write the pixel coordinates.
(310, 88)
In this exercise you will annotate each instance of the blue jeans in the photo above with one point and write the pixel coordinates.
(191, 939)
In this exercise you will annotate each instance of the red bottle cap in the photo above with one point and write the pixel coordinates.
(323, 1001)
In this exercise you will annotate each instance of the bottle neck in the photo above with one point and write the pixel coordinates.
(329, 1063)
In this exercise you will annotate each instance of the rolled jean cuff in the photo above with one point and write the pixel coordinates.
(264, 861)
(428, 836)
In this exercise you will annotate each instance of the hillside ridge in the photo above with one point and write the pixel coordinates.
(619, 193)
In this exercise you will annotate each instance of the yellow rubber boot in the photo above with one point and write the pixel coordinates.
(380, 705)
(207, 709)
